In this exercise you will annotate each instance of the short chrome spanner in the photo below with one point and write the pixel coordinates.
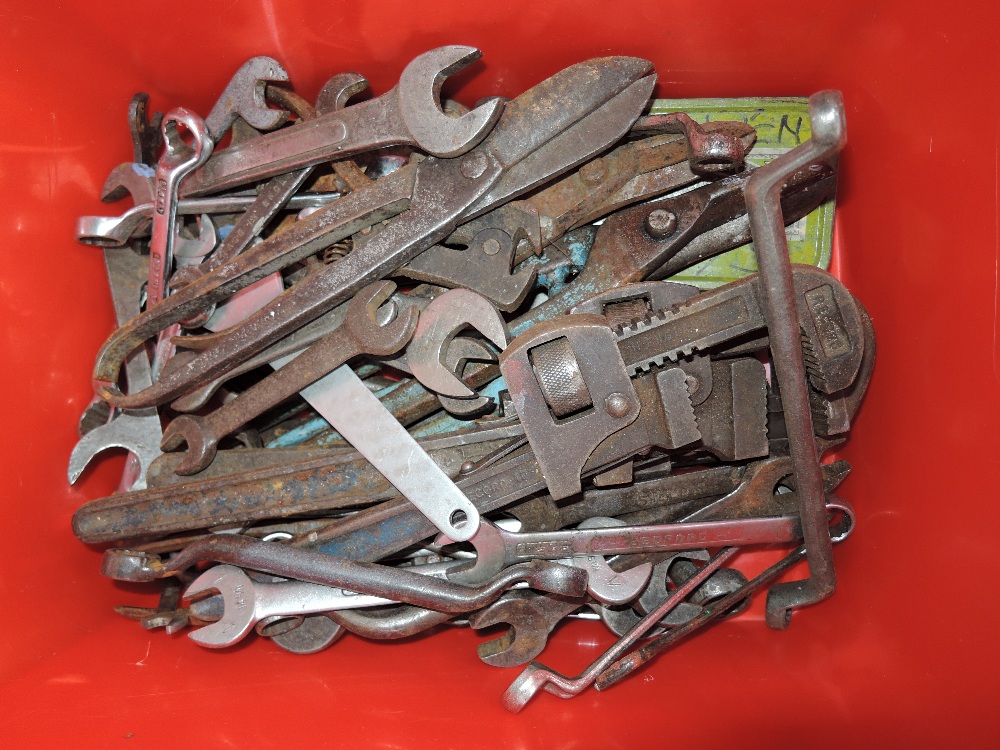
(247, 602)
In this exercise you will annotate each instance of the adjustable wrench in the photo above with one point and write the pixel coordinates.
(136, 430)
(408, 114)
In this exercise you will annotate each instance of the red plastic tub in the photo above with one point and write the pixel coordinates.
(905, 653)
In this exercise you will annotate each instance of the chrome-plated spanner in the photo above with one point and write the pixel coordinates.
(497, 548)
(136, 430)
(603, 582)
(114, 231)
(247, 602)
(178, 161)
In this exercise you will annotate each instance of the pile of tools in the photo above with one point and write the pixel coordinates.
(398, 363)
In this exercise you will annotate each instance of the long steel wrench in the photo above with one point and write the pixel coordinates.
(330, 570)
(497, 548)
(115, 231)
(763, 199)
(247, 602)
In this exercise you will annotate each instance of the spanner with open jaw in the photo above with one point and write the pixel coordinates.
(408, 114)
(136, 430)
(244, 97)
(247, 602)
(331, 570)
(360, 333)
(497, 548)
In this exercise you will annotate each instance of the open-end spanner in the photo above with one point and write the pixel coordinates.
(115, 231)
(359, 334)
(497, 548)
(444, 318)
(604, 583)
(136, 430)
(247, 602)
(244, 97)
(398, 584)
(440, 195)
(408, 114)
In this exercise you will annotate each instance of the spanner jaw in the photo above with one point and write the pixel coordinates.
(238, 616)
(434, 131)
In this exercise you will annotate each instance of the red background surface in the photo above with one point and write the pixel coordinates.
(904, 652)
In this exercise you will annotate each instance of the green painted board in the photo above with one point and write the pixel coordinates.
(781, 124)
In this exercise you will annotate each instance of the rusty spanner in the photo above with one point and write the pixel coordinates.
(360, 333)
(244, 97)
(519, 153)
(410, 113)
(443, 319)
(763, 200)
